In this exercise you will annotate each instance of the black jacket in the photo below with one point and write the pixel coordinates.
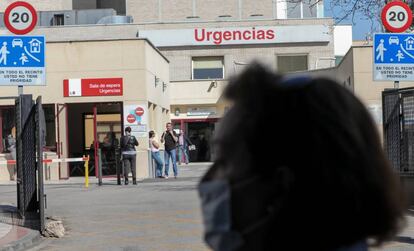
(128, 143)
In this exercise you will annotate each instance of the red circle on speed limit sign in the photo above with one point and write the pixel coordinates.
(20, 17)
(396, 16)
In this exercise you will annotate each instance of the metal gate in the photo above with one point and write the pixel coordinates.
(30, 128)
(398, 129)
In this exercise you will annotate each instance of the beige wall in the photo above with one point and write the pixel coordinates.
(93, 59)
(151, 10)
(41, 5)
(155, 91)
(143, 10)
(196, 92)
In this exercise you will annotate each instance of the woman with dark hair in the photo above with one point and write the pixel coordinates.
(155, 154)
(317, 180)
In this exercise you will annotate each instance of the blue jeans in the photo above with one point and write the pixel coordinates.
(158, 163)
(167, 155)
(182, 149)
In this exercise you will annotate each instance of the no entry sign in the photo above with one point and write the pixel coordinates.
(20, 18)
(396, 16)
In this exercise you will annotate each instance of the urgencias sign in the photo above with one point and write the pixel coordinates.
(238, 35)
(218, 37)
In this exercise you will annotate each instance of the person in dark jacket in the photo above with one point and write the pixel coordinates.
(318, 179)
(170, 139)
(128, 143)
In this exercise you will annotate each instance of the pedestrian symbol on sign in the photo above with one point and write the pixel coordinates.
(399, 56)
(3, 54)
(23, 58)
(381, 49)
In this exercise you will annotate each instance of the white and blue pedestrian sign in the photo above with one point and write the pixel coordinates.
(393, 57)
(22, 60)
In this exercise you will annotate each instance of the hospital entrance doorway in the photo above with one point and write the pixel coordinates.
(200, 133)
(88, 122)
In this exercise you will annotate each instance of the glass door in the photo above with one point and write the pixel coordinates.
(108, 132)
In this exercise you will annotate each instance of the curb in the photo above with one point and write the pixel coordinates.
(29, 240)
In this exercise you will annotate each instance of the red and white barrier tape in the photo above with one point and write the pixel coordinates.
(13, 162)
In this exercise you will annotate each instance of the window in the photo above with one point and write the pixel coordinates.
(49, 111)
(293, 9)
(338, 60)
(292, 63)
(208, 68)
(301, 8)
(118, 5)
(58, 19)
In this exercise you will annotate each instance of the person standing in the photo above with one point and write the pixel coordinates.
(128, 143)
(155, 154)
(170, 139)
(11, 143)
(183, 143)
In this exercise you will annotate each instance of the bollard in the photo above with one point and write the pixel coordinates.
(117, 165)
(46, 170)
(99, 167)
(86, 171)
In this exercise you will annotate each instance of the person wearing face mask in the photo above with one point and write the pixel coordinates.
(324, 184)
(128, 143)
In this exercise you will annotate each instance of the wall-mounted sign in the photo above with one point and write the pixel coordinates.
(92, 87)
(393, 57)
(238, 35)
(201, 111)
(136, 117)
(22, 60)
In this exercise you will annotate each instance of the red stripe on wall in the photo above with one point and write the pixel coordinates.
(66, 88)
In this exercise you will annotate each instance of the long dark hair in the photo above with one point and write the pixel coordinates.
(319, 163)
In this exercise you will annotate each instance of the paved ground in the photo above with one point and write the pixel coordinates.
(154, 215)
(158, 215)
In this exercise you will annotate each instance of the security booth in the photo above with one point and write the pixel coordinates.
(93, 89)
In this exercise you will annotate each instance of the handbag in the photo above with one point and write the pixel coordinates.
(191, 147)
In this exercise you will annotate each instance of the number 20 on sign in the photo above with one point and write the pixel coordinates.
(396, 16)
(20, 17)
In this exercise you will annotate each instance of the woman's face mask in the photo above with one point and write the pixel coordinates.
(216, 208)
(215, 201)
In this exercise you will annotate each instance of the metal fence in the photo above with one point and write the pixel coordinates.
(398, 129)
(30, 132)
